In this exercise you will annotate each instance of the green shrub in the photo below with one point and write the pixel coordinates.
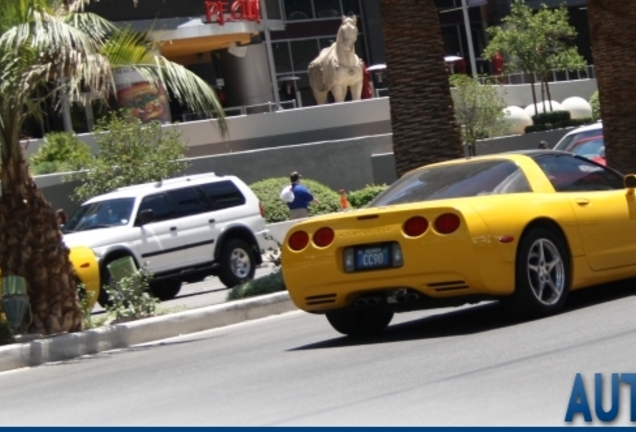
(364, 196)
(61, 151)
(595, 102)
(271, 283)
(276, 210)
(551, 117)
(130, 297)
(6, 332)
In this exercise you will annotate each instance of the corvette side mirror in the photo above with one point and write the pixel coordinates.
(630, 182)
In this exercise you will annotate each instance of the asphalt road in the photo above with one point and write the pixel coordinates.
(466, 366)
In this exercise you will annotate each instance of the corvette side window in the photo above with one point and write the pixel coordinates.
(568, 174)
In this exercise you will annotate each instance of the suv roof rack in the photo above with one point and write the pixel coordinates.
(162, 182)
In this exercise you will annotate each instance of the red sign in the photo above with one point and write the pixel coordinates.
(238, 10)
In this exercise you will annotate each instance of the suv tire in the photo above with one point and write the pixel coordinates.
(165, 289)
(237, 263)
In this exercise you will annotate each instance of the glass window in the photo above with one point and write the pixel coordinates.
(223, 194)
(452, 45)
(303, 52)
(351, 7)
(326, 42)
(102, 214)
(282, 57)
(159, 205)
(456, 181)
(589, 148)
(327, 8)
(186, 202)
(566, 142)
(568, 173)
(298, 10)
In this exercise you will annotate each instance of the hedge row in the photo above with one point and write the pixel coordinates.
(276, 210)
(558, 125)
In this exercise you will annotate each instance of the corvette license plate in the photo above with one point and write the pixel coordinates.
(373, 257)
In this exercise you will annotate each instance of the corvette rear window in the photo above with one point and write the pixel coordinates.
(456, 181)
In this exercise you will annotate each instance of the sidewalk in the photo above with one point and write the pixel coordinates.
(72, 345)
(205, 312)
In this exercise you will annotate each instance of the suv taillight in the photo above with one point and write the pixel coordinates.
(262, 209)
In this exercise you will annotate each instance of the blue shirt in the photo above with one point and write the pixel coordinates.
(302, 197)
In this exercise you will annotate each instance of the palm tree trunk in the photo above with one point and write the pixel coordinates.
(613, 33)
(32, 247)
(422, 116)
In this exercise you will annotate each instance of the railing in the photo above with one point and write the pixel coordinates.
(554, 76)
(240, 110)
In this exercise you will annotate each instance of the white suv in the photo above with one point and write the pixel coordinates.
(181, 230)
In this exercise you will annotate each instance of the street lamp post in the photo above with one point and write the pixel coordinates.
(270, 55)
(469, 38)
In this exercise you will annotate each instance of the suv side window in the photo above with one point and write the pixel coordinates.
(223, 194)
(187, 201)
(159, 206)
(567, 174)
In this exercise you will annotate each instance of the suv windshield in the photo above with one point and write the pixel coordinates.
(455, 181)
(101, 214)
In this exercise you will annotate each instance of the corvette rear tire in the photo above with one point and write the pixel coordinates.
(360, 322)
(542, 276)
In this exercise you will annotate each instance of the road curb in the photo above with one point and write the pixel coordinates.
(73, 345)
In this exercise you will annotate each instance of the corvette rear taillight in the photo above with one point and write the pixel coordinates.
(415, 226)
(324, 237)
(447, 223)
(298, 240)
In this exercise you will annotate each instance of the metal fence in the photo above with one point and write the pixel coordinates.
(554, 76)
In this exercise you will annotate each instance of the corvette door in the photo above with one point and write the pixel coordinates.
(603, 209)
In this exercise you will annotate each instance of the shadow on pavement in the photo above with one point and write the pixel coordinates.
(476, 319)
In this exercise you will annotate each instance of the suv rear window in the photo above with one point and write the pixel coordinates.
(223, 194)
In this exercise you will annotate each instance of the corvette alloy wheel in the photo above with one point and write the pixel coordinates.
(542, 279)
(546, 272)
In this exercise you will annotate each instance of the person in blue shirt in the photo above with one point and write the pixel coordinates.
(299, 207)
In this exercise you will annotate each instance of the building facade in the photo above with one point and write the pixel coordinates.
(255, 53)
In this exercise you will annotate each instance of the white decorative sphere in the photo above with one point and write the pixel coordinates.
(579, 108)
(549, 106)
(517, 118)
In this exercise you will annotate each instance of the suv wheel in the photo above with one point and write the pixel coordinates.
(237, 263)
(166, 289)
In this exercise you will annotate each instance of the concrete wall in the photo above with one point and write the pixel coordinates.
(338, 164)
(276, 129)
(350, 164)
(319, 123)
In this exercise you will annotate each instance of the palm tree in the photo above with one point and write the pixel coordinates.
(50, 48)
(611, 24)
(424, 126)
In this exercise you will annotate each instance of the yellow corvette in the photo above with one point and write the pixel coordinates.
(523, 228)
(87, 270)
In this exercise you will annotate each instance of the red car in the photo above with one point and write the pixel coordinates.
(592, 148)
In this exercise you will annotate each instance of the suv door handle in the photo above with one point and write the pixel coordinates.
(173, 228)
(212, 220)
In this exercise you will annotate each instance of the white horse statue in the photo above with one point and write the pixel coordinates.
(338, 68)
